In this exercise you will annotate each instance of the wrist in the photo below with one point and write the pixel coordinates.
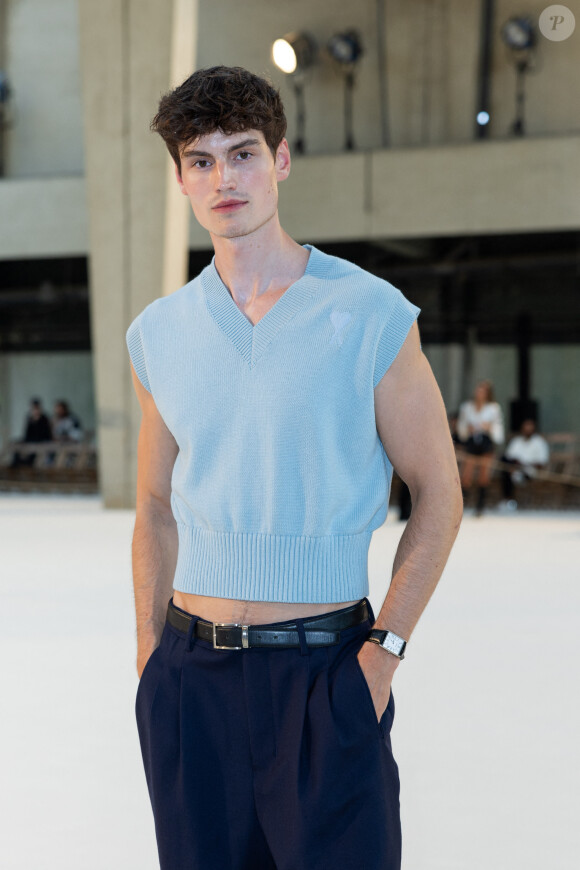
(148, 637)
(389, 662)
(391, 643)
(385, 663)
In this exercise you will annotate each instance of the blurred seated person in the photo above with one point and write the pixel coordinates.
(527, 453)
(66, 426)
(37, 430)
(480, 428)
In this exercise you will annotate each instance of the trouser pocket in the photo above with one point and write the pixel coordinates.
(150, 677)
(352, 698)
(385, 722)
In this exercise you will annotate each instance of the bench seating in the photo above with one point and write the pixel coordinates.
(57, 467)
(556, 487)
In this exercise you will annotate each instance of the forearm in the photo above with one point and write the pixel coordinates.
(421, 555)
(154, 554)
(419, 561)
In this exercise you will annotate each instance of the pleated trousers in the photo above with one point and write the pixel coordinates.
(267, 759)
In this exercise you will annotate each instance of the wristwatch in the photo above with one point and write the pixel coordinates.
(389, 641)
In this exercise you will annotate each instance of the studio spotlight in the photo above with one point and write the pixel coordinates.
(294, 54)
(284, 56)
(519, 34)
(346, 50)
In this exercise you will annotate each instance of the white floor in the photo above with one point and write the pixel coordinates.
(486, 731)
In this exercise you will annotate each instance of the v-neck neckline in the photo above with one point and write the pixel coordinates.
(252, 339)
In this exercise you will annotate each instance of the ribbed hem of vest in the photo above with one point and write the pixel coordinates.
(261, 567)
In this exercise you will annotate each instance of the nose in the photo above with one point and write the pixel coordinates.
(225, 176)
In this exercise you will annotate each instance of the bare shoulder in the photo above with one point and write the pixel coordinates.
(409, 373)
(410, 415)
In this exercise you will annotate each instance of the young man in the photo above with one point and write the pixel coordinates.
(528, 453)
(278, 389)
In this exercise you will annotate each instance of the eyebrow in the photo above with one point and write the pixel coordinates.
(243, 144)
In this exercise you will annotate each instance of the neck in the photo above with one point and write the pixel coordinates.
(265, 260)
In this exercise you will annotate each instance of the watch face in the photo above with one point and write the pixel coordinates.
(393, 643)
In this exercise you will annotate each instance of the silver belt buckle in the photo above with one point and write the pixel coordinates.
(245, 638)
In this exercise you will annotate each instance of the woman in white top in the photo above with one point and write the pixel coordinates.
(480, 428)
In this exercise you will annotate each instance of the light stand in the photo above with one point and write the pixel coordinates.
(346, 50)
(5, 94)
(520, 37)
(294, 54)
(348, 92)
(299, 142)
(522, 65)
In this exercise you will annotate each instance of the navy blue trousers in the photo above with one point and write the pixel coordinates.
(267, 759)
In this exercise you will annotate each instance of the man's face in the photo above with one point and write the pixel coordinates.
(528, 428)
(232, 181)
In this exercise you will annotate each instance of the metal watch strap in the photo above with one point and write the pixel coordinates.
(394, 645)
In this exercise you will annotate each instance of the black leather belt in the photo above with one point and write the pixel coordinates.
(323, 630)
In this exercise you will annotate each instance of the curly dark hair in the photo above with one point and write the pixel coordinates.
(230, 99)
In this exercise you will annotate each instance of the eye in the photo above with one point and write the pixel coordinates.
(201, 164)
(243, 155)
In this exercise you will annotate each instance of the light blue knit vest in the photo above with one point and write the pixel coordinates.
(281, 477)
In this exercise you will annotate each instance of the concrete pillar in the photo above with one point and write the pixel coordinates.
(132, 52)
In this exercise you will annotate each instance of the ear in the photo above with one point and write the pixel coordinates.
(179, 179)
(283, 161)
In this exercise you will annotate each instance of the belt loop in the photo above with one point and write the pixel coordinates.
(301, 637)
(190, 639)
(370, 613)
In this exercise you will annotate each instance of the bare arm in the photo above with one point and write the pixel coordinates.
(154, 549)
(412, 425)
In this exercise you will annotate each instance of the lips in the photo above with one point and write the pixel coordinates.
(229, 204)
